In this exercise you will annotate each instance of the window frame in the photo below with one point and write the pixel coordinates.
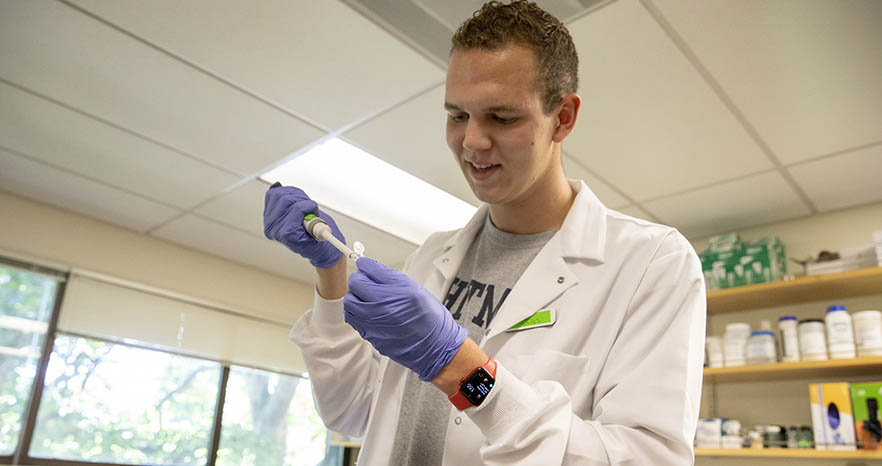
(27, 428)
(20, 455)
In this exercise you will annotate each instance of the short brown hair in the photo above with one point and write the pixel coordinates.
(498, 25)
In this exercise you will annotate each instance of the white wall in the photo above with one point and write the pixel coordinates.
(55, 237)
(35, 231)
(808, 236)
(787, 402)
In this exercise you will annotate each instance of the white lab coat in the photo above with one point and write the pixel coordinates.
(616, 380)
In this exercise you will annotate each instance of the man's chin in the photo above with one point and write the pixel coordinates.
(487, 196)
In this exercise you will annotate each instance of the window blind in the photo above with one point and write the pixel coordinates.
(97, 308)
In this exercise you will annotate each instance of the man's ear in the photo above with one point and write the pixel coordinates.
(566, 116)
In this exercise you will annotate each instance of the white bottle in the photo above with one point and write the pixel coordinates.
(840, 335)
(868, 332)
(789, 338)
(812, 343)
(714, 351)
(734, 342)
(761, 347)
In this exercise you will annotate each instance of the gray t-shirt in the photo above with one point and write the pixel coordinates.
(491, 267)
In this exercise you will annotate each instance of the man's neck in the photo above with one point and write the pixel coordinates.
(540, 212)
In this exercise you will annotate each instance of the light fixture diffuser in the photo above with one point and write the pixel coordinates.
(344, 178)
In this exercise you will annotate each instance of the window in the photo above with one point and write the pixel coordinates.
(112, 403)
(26, 303)
(269, 419)
(75, 388)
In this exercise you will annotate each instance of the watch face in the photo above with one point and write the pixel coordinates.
(477, 386)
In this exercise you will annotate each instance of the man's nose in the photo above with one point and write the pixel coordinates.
(476, 138)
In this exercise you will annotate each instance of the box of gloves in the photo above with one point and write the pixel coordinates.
(729, 261)
(866, 399)
(832, 416)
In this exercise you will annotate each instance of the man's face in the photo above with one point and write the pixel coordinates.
(496, 128)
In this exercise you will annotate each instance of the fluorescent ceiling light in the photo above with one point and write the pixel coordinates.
(346, 179)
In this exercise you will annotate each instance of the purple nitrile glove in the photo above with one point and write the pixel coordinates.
(283, 211)
(401, 319)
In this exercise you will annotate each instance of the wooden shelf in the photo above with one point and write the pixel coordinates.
(801, 290)
(867, 365)
(790, 453)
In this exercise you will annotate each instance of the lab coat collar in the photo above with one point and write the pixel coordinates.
(582, 234)
(456, 247)
(582, 237)
(467, 233)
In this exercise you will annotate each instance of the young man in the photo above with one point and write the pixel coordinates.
(579, 331)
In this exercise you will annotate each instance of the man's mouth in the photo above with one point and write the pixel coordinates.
(482, 171)
(483, 167)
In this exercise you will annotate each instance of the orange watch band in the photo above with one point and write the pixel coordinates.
(459, 399)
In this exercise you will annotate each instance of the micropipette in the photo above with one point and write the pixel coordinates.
(319, 229)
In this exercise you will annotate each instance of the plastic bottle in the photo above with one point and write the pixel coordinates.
(868, 333)
(761, 347)
(840, 335)
(734, 342)
(793, 437)
(714, 351)
(812, 343)
(789, 338)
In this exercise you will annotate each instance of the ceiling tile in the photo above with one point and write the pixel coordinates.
(320, 59)
(843, 180)
(64, 138)
(60, 52)
(410, 23)
(603, 191)
(418, 146)
(805, 74)
(649, 123)
(243, 208)
(214, 238)
(730, 206)
(453, 13)
(51, 185)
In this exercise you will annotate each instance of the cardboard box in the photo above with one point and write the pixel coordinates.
(832, 417)
(707, 264)
(723, 269)
(769, 260)
(729, 262)
(849, 259)
(866, 401)
(728, 242)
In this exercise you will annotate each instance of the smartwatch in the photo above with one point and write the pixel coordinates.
(474, 388)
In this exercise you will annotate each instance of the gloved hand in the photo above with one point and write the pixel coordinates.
(283, 212)
(401, 319)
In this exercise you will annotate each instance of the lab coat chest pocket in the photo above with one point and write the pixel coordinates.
(571, 371)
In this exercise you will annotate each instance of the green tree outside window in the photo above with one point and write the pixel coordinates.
(26, 303)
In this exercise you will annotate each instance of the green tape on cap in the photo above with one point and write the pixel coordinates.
(309, 216)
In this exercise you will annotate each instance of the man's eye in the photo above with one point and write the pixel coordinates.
(504, 121)
(459, 117)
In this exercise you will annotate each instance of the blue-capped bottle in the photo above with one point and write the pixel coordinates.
(840, 333)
